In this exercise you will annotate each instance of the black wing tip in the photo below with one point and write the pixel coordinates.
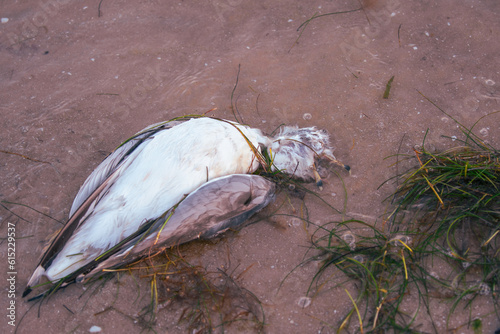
(27, 291)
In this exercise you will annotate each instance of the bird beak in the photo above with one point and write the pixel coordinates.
(317, 178)
(335, 161)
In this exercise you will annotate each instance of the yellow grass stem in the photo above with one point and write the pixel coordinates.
(344, 323)
(404, 244)
(290, 203)
(379, 307)
(434, 190)
(490, 238)
(357, 311)
(422, 166)
(154, 292)
(404, 264)
(166, 221)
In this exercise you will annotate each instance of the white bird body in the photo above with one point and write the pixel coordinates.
(154, 170)
(153, 178)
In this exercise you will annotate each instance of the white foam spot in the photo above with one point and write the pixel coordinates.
(95, 329)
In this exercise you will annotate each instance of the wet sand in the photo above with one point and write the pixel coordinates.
(76, 81)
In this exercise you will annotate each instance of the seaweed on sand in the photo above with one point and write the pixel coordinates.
(441, 240)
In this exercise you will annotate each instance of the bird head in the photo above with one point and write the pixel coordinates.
(295, 151)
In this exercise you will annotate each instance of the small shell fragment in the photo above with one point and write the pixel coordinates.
(304, 302)
(349, 237)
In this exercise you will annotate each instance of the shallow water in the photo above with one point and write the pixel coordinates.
(75, 84)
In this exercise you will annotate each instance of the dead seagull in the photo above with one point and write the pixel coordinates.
(153, 171)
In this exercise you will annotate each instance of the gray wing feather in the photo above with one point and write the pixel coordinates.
(223, 203)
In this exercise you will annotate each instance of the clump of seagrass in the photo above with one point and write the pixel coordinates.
(441, 241)
(380, 267)
(459, 191)
(453, 201)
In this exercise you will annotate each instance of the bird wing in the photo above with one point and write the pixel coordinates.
(65, 233)
(223, 203)
(94, 188)
(115, 159)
